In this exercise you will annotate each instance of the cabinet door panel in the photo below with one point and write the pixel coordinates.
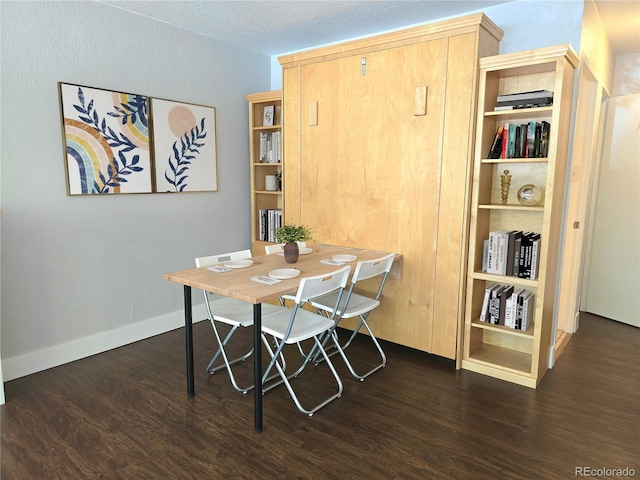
(370, 170)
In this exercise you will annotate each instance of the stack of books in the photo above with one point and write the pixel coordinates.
(512, 253)
(270, 147)
(513, 101)
(509, 306)
(270, 221)
(527, 140)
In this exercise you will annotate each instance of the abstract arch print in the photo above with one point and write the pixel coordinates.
(106, 141)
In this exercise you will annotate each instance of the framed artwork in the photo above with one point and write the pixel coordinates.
(267, 116)
(184, 146)
(106, 141)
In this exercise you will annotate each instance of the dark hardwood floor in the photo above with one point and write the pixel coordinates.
(125, 414)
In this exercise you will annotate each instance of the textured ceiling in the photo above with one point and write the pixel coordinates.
(282, 26)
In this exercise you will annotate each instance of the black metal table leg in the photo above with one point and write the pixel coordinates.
(188, 336)
(257, 366)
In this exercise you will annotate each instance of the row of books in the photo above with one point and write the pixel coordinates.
(270, 147)
(270, 220)
(527, 140)
(512, 253)
(513, 101)
(509, 306)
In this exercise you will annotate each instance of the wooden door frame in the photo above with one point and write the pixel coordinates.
(579, 192)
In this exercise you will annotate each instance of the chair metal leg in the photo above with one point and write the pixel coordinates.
(383, 357)
(342, 348)
(219, 351)
(285, 378)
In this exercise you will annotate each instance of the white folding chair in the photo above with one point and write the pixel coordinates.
(232, 312)
(297, 324)
(356, 305)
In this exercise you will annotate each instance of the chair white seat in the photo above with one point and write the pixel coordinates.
(307, 325)
(241, 313)
(358, 304)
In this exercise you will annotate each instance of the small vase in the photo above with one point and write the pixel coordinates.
(270, 183)
(291, 252)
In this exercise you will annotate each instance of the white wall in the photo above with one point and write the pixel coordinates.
(81, 274)
(526, 24)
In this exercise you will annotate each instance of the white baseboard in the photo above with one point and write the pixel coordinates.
(22, 365)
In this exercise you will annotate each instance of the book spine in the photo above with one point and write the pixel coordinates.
(505, 140)
(494, 305)
(519, 302)
(502, 252)
(527, 311)
(535, 253)
(544, 140)
(485, 303)
(508, 315)
(531, 140)
(496, 147)
(505, 295)
(491, 253)
(511, 238)
(485, 254)
(538, 137)
(512, 141)
(263, 224)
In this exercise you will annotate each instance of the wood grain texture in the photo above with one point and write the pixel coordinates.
(124, 414)
(372, 173)
(238, 284)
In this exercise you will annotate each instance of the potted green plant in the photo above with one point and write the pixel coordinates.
(290, 235)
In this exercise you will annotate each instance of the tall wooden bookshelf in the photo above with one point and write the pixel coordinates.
(263, 163)
(499, 351)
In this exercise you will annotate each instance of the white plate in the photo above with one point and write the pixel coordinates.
(344, 258)
(305, 250)
(238, 263)
(284, 273)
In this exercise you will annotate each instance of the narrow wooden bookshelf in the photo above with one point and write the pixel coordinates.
(511, 354)
(265, 159)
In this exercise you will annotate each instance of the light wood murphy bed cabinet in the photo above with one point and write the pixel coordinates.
(378, 149)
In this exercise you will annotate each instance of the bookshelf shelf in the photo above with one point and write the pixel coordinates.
(513, 160)
(261, 198)
(521, 113)
(489, 358)
(502, 329)
(259, 164)
(535, 208)
(493, 349)
(506, 279)
(268, 192)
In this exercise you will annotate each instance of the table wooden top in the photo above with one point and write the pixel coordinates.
(237, 283)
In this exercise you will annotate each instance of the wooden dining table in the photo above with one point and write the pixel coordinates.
(238, 283)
